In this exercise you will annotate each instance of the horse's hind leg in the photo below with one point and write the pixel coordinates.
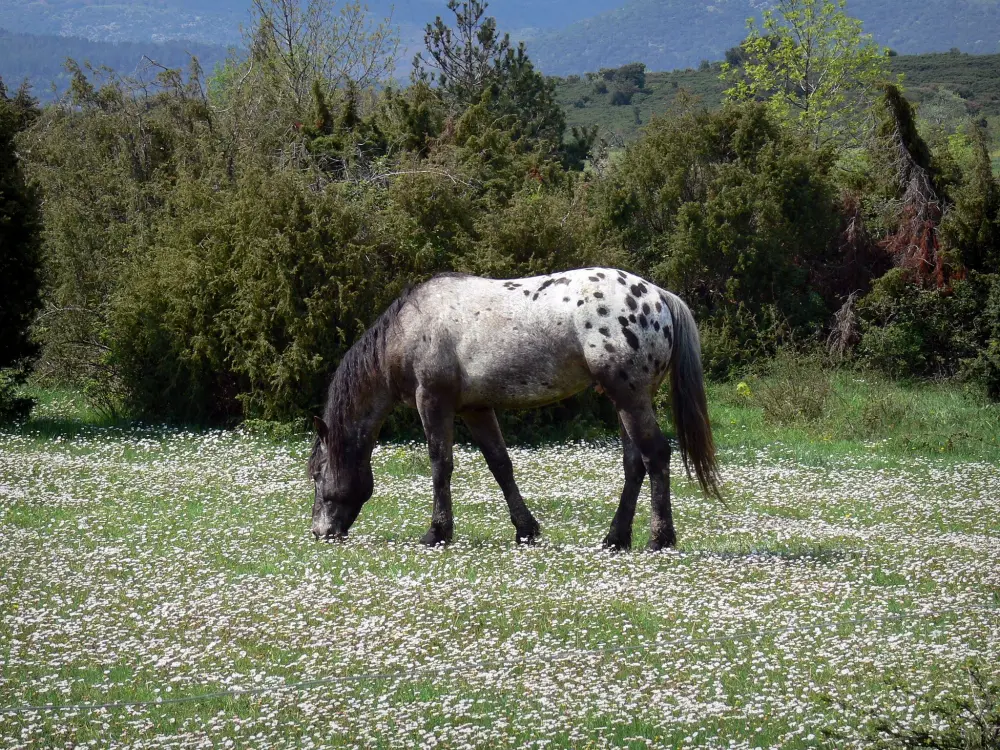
(620, 535)
(639, 419)
(485, 431)
(437, 413)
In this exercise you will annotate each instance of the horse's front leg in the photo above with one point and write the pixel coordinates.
(437, 413)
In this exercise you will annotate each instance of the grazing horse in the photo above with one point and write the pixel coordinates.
(463, 345)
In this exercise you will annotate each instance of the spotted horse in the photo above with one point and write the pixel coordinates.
(464, 345)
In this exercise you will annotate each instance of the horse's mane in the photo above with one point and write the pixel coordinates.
(358, 367)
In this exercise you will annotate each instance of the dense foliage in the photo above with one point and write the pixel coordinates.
(213, 246)
(20, 261)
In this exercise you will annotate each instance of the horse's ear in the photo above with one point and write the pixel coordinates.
(321, 429)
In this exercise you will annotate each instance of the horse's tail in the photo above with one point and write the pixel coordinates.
(688, 402)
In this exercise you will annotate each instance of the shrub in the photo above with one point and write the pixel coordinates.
(20, 234)
(13, 406)
(796, 389)
(729, 211)
(907, 329)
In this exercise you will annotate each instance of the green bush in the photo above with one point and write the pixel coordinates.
(728, 210)
(909, 330)
(13, 406)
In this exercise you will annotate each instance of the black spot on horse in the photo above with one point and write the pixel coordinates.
(632, 317)
(604, 331)
(637, 290)
(659, 307)
(602, 311)
(645, 307)
(609, 347)
(667, 336)
(645, 369)
(527, 292)
(656, 325)
(623, 321)
(562, 280)
(631, 338)
(600, 275)
(632, 304)
(599, 295)
(579, 302)
(524, 382)
(663, 299)
(546, 284)
(534, 297)
(642, 321)
(593, 278)
(622, 274)
(588, 324)
(565, 299)
(622, 374)
(621, 280)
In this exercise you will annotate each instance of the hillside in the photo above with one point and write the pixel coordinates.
(40, 58)
(668, 34)
(948, 89)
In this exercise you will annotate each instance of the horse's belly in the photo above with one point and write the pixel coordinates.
(518, 374)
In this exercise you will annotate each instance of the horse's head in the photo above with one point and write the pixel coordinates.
(344, 483)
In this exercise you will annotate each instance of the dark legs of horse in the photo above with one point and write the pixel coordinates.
(620, 535)
(485, 429)
(438, 417)
(635, 410)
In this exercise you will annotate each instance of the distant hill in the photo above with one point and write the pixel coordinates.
(948, 89)
(212, 21)
(218, 21)
(39, 58)
(670, 34)
(563, 36)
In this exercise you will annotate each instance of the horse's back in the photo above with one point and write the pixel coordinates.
(525, 342)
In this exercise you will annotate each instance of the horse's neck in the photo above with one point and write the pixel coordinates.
(362, 416)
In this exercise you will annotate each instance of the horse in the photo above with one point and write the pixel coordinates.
(465, 345)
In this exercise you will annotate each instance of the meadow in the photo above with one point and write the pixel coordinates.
(852, 576)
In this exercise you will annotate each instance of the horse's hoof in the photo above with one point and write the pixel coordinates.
(435, 538)
(655, 545)
(529, 535)
(616, 543)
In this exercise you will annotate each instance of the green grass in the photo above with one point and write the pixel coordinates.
(886, 419)
(142, 562)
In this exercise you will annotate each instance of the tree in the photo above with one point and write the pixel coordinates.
(813, 65)
(20, 257)
(20, 230)
(972, 226)
(297, 42)
(471, 60)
